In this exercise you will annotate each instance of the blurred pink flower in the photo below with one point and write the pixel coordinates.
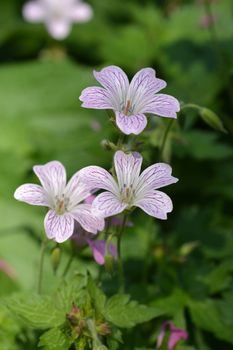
(64, 201)
(131, 189)
(57, 15)
(207, 20)
(130, 100)
(7, 269)
(176, 334)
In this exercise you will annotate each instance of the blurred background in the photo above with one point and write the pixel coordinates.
(183, 265)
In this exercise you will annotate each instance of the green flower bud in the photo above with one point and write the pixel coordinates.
(212, 119)
(55, 258)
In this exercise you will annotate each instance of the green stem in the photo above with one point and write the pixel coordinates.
(165, 138)
(68, 265)
(120, 263)
(41, 265)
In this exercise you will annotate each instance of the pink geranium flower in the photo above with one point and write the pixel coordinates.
(57, 15)
(64, 201)
(99, 248)
(130, 101)
(131, 189)
(176, 334)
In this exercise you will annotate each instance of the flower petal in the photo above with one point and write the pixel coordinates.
(52, 176)
(143, 87)
(76, 191)
(33, 11)
(131, 124)
(175, 336)
(127, 168)
(155, 176)
(163, 105)
(99, 250)
(81, 12)
(96, 97)
(97, 177)
(115, 81)
(31, 194)
(59, 28)
(156, 204)
(85, 217)
(106, 204)
(58, 227)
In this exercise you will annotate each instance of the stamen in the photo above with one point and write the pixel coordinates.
(127, 107)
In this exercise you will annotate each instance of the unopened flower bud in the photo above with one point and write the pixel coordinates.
(55, 258)
(109, 263)
(108, 145)
(103, 329)
(212, 119)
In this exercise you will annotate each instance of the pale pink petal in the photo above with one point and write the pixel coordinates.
(31, 194)
(33, 11)
(81, 12)
(97, 177)
(155, 176)
(99, 250)
(58, 227)
(156, 204)
(163, 105)
(76, 190)
(143, 86)
(52, 176)
(96, 97)
(87, 219)
(7, 269)
(131, 124)
(127, 168)
(107, 204)
(115, 81)
(176, 335)
(58, 28)
(89, 199)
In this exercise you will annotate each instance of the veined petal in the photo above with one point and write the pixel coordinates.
(107, 204)
(34, 11)
(59, 28)
(127, 168)
(76, 191)
(97, 177)
(143, 86)
(31, 194)
(52, 177)
(81, 12)
(87, 219)
(163, 105)
(58, 227)
(96, 97)
(115, 81)
(155, 176)
(156, 204)
(131, 124)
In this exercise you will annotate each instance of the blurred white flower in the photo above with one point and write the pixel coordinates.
(57, 15)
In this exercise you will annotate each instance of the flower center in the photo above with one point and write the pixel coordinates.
(127, 108)
(61, 205)
(127, 194)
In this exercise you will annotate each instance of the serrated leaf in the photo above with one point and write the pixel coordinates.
(36, 311)
(126, 314)
(96, 294)
(54, 339)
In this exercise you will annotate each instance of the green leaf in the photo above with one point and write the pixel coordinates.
(125, 313)
(54, 339)
(36, 311)
(206, 315)
(212, 119)
(97, 295)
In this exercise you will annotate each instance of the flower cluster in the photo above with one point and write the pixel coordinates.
(71, 209)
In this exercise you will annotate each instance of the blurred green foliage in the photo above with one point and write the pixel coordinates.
(182, 267)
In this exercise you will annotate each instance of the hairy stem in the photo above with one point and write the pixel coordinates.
(41, 265)
(165, 138)
(121, 279)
